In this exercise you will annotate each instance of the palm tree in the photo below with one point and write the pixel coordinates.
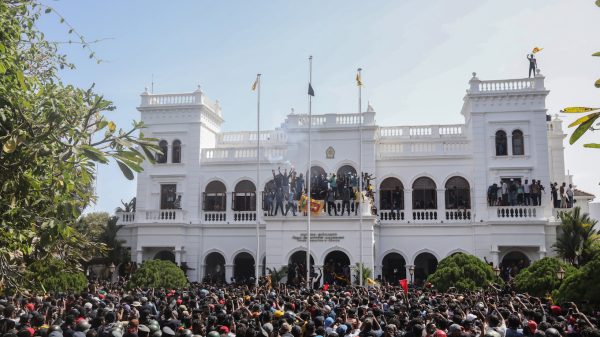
(277, 275)
(366, 273)
(116, 251)
(577, 237)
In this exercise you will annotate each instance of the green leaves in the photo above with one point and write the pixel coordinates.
(577, 109)
(598, 3)
(597, 83)
(596, 53)
(584, 119)
(126, 170)
(581, 129)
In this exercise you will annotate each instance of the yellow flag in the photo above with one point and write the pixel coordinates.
(358, 80)
(255, 84)
(537, 50)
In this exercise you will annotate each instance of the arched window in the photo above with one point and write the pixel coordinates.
(391, 194)
(176, 151)
(214, 198)
(161, 158)
(424, 194)
(518, 145)
(458, 193)
(501, 145)
(244, 196)
(346, 176)
(318, 182)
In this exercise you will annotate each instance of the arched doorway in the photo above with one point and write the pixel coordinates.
(512, 263)
(214, 272)
(393, 268)
(347, 177)
(336, 268)
(424, 194)
(297, 267)
(166, 255)
(244, 196)
(318, 182)
(425, 265)
(243, 268)
(214, 197)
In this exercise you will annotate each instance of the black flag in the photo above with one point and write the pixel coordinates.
(310, 90)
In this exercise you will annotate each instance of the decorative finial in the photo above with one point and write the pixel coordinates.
(474, 74)
(199, 88)
(537, 71)
(146, 89)
(292, 112)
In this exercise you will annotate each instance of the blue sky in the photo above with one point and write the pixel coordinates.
(417, 58)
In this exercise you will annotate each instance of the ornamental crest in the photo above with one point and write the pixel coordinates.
(329, 153)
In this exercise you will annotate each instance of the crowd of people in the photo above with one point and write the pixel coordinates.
(108, 310)
(511, 192)
(288, 192)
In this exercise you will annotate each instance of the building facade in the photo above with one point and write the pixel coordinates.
(197, 204)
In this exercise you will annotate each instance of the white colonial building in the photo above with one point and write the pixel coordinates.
(197, 206)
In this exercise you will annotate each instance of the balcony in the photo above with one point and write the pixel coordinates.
(514, 212)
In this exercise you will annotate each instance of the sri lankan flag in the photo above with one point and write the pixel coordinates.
(536, 50)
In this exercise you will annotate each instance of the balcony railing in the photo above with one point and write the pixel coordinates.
(425, 215)
(330, 120)
(164, 215)
(392, 216)
(126, 217)
(210, 217)
(458, 215)
(422, 131)
(515, 212)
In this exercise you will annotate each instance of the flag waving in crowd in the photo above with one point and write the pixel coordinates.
(537, 50)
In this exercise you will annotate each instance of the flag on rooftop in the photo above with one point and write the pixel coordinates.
(358, 80)
(537, 50)
(255, 84)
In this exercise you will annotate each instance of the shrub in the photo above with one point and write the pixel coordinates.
(540, 278)
(462, 271)
(158, 274)
(581, 286)
(53, 275)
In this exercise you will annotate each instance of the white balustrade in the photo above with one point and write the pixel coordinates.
(392, 216)
(210, 217)
(331, 120)
(126, 217)
(523, 84)
(244, 216)
(164, 215)
(242, 154)
(458, 215)
(425, 215)
(422, 147)
(245, 137)
(515, 212)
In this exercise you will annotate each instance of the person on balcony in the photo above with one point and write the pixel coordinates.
(532, 64)
(526, 193)
(177, 202)
(512, 193)
(299, 186)
(269, 200)
(357, 200)
(279, 201)
(333, 184)
(504, 193)
(290, 202)
(345, 200)
(331, 202)
(535, 191)
(563, 195)
(554, 195)
(569, 193)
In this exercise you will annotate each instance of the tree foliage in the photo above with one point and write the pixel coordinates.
(52, 275)
(52, 135)
(582, 285)
(463, 272)
(540, 278)
(577, 239)
(586, 122)
(158, 274)
(366, 273)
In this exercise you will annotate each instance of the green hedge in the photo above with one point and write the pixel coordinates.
(463, 272)
(582, 286)
(53, 275)
(540, 278)
(158, 274)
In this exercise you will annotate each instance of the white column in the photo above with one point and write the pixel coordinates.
(138, 256)
(495, 256)
(408, 205)
(441, 203)
(542, 252)
(228, 272)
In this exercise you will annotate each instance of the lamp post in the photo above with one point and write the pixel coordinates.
(497, 271)
(411, 270)
(560, 274)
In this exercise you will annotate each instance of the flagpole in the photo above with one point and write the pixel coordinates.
(308, 282)
(360, 168)
(258, 212)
